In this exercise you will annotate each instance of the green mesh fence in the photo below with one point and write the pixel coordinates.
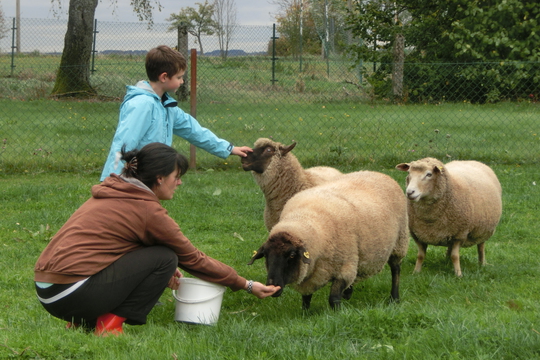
(338, 113)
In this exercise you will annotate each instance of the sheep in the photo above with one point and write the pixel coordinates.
(454, 205)
(279, 175)
(342, 232)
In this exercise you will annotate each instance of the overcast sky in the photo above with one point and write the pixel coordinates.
(250, 12)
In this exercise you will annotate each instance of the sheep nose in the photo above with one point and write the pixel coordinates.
(410, 193)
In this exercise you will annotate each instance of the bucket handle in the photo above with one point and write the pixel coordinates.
(198, 300)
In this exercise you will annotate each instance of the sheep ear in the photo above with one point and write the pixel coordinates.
(256, 255)
(403, 167)
(304, 254)
(438, 169)
(285, 150)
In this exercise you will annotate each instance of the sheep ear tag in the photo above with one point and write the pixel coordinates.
(305, 257)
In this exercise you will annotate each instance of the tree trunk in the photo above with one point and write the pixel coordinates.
(183, 48)
(73, 77)
(397, 72)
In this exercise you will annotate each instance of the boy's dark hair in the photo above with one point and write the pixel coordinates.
(163, 59)
(153, 160)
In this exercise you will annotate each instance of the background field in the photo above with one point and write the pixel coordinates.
(334, 117)
(76, 135)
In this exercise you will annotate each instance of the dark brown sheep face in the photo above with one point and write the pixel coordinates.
(283, 260)
(261, 157)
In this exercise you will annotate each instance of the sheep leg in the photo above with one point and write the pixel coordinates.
(336, 293)
(395, 269)
(422, 249)
(306, 301)
(481, 254)
(454, 256)
(347, 293)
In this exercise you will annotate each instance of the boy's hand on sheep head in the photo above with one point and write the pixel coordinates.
(241, 150)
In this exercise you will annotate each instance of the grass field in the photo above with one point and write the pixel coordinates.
(65, 136)
(52, 153)
(490, 313)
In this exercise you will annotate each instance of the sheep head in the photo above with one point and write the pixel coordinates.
(423, 178)
(283, 259)
(263, 153)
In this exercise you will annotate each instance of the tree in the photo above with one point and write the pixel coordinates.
(73, 76)
(199, 22)
(477, 35)
(328, 17)
(297, 31)
(225, 19)
(3, 24)
(449, 30)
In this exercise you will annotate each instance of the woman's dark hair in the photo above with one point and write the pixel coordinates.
(153, 160)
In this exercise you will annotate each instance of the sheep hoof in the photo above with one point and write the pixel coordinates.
(335, 305)
(306, 301)
(347, 294)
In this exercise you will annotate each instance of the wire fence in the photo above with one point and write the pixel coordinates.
(339, 112)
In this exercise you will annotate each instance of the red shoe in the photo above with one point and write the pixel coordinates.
(108, 324)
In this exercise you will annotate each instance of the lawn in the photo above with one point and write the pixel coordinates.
(52, 153)
(48, 135)
(492, 312)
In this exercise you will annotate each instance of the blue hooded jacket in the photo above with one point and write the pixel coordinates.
(145, 118)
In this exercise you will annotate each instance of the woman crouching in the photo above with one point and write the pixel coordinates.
(114, 257)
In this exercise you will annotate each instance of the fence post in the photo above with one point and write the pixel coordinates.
(13, 47)
(93, 69)
(274, 58)
(193, 105)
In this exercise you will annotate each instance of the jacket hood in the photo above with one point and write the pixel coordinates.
(144, 88)
(118, 187)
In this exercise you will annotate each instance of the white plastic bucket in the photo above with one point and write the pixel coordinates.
(198, 301)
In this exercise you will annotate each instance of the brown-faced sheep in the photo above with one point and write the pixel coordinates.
(454, 205)
(279, 175)
(342, 231)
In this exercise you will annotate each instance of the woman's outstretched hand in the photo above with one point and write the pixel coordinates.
(261, 291)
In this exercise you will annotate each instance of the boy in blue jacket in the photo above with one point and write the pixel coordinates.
(149, 114)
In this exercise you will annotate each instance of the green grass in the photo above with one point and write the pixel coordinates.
(51, 153)
(75, 136)
(334, 121)
(490, 313)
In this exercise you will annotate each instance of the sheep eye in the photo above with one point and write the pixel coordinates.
(429, 174)
(291, 256)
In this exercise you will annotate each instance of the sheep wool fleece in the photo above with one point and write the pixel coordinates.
(146, 118)
(119, 218)
(351, 227)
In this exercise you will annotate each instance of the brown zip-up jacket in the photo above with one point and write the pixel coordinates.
(121, 217)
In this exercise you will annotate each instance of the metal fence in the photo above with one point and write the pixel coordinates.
(338, 112)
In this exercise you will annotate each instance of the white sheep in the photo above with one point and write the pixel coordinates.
(280, 175)
(454, 205)
(342, 232)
